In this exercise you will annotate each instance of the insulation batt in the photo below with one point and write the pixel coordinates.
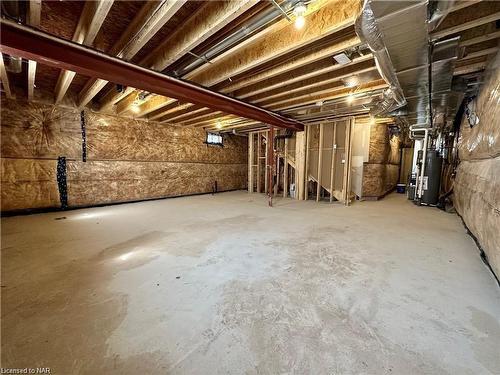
(381, 173)
(127, 159)
(477, 183)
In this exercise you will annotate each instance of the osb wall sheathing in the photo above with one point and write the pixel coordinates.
(477, 183)
(126, 159)
(381, 173)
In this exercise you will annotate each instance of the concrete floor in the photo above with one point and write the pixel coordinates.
(225, 285)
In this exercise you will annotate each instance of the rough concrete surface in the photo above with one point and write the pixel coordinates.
(225, 285)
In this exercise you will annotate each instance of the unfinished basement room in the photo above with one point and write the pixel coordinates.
(244, 187)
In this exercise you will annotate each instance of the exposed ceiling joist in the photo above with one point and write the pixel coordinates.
(151, 18)
(93, 15)
(27, 43)
(298, 69)
(316, 82)
(480, 39)
(335, 46)
(33, 19)
(466, 25)
(327, 95)
(331, 18)
(211, 18)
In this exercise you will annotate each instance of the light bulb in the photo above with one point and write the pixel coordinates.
(299, 11)
(350, 98)
(300, 21)
(135, 108)
(218, 125)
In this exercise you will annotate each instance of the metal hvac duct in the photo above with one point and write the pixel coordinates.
(244, 31)
(398, 34)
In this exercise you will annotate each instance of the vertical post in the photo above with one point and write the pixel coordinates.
(266, 161)
(259, 146)
(320, 161)
(347, 164)
(334, 154)
(285, 171)
(349, 170)
(270, 157)
(250, 161)
(306, 174)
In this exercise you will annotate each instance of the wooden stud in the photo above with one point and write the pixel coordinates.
(5, 78)
(300, 163)
(320, 161)
(334, 155)
(349, 160)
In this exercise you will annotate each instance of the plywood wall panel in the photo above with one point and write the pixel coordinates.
(115, 138)
(39, 131)
(115, 181)
(127, 159)
(28, 183)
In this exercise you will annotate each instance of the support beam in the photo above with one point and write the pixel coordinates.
(24, 42)
(150, 19)
(5, 78)
(33, 19)
(91, 20)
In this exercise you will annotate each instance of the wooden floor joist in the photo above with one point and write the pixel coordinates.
(91, 20)
(151, 18)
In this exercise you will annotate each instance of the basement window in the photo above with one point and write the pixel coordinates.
(214, 139)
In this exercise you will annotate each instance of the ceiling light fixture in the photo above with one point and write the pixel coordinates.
(342, 58)
(299, 11)
(350, 98)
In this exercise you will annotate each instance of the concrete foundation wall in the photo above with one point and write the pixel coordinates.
(126, 159)
(477, 183)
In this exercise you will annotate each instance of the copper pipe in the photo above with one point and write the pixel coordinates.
(31, 44)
